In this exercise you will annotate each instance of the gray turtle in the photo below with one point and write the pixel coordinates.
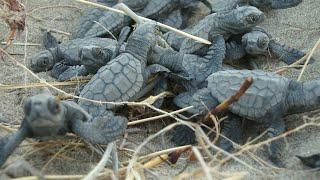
(45, 116)
(259, 42)
(267, 101)
(91, 58)
(227, 23)
(223, 5)
(60, 57)
(123, 78)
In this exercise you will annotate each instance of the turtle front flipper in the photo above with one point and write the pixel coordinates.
(286, 54)
(183, 135)
(234, 52)
(73, 72)
(283, 4)
(102, 129)
(276, 128)
(58, 69)
(9, 143)
(231, 128)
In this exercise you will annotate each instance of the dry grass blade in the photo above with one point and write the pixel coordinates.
(146, 19)
(308, 59)
(202, 163)
(37, 85)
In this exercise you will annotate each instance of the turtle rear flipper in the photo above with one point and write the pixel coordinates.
(284, 4)
(312, 161)
(183, 135)
(49, 41)
(287, 54)
(73, 72)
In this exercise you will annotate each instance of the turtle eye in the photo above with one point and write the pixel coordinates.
(54, 105)
(27, 107)
(98, 51)
(262, 42)
(251, 19)
(44, 62)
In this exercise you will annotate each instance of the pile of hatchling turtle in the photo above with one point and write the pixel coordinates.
(128, 60)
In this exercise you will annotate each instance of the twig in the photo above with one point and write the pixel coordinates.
(308, 59)
(146, 19)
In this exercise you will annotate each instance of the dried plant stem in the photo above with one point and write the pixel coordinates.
(308, 59)
(203, 164)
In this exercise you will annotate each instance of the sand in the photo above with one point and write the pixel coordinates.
(298, 27)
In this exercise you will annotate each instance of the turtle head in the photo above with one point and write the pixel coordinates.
(42, 61)
(248, 17)
(44, 116)
(94, 57)
(256, 42)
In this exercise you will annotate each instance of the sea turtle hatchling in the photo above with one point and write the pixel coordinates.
(45, 115)
(267, 101)
(226, 23)
(123, 78)
(259, 42)
(58, 57)
(223, 5)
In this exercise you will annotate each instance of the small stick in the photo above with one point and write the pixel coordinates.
(232, 99)
(146, 19)
(308, 59)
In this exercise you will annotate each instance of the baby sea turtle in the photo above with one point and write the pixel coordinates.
(45, 115)
(226, 23)
(223, 5)
(267, 101)
(66, 53)
(123, 78)
(259, 42)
